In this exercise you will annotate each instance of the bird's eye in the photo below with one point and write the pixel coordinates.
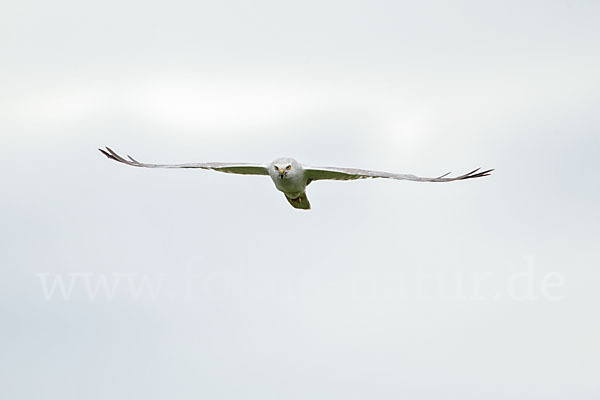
(288, 167)
(276, 168)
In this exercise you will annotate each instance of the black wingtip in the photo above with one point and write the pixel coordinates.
(474, 174)
(480, 174)
(109, 153)
(104, 152)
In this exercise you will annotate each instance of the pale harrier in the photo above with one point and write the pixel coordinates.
(291, 177)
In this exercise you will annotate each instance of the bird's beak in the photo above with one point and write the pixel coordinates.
(281, 171)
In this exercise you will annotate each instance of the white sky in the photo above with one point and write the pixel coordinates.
(288, 304)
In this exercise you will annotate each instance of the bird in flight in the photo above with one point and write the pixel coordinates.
(291, 177)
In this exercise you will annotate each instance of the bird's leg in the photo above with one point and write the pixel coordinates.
(297, 199)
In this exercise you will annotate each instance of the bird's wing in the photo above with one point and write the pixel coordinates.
(232, 168)
(319, 173)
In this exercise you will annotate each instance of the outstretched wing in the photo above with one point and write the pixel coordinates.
(232, 168)
(319, 173)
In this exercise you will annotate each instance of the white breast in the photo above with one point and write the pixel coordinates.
(291, 184)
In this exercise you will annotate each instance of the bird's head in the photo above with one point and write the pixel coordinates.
(284, 168)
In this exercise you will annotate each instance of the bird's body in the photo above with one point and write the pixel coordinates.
(291, 177)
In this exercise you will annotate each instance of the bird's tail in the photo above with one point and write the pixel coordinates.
(300, 202)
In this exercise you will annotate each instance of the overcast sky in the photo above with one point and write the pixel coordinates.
(215, 287)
